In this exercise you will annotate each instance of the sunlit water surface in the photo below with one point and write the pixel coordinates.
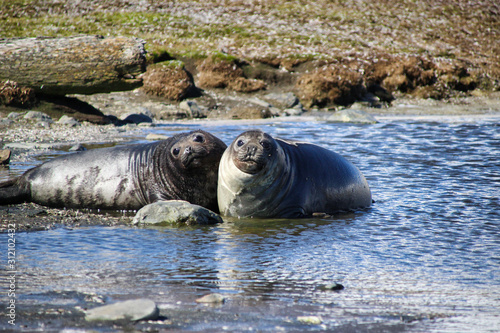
(425, 257)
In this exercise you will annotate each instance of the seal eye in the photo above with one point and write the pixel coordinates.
(176, 151)
(240, 143)
(199, 138)
(266, 145)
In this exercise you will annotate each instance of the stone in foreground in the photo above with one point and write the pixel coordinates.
(133, 310)
(175, 212)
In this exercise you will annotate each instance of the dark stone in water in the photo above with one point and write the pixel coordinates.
(332, 286)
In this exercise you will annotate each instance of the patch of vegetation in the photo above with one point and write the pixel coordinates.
(282, 33)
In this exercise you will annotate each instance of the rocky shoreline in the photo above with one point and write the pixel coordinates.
(29, 132)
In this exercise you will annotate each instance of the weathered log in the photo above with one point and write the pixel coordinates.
(73, 65)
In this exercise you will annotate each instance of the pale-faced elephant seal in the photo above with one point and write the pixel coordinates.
(269, 178)
(182, 167)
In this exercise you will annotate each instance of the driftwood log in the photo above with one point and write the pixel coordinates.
(73, 65)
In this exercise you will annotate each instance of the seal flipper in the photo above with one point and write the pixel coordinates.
(14, 191)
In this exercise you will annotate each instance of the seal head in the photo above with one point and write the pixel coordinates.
(253, 151)
(189, 165)
(189, 151)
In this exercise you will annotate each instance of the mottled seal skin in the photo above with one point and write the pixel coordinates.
(182, 167)
(263, 177)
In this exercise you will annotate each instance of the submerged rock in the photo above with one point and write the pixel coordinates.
(133, 310)
(211, 298)
(332, 286)
(175, 212)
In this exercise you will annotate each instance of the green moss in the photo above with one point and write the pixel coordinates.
(171, 64)
(217, 56)
(279, 27)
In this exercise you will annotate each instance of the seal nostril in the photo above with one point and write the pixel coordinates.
(187, 150)
(251, 149)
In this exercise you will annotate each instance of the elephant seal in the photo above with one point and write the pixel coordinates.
(260, 176)
(182, 167)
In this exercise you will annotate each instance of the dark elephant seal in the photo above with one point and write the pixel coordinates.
(182, 167)
(268, 178)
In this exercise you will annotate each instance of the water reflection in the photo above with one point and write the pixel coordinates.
(427, 248)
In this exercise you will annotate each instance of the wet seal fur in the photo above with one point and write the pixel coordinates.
(260, 176)
(182, 167)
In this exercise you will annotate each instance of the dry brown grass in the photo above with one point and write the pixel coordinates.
(218, 71)
(165, 80)
(433, 48)
(330, 85)
(13, 95)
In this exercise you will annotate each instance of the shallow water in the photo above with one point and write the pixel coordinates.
(424, 258)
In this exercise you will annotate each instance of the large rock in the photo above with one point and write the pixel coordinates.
(283, 100)
(175, 212)
(133, 310)
(73, 65)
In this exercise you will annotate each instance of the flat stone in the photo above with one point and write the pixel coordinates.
(352, 116)
(211, 298)
(133, 310)
(175, 212)
(285, 100)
